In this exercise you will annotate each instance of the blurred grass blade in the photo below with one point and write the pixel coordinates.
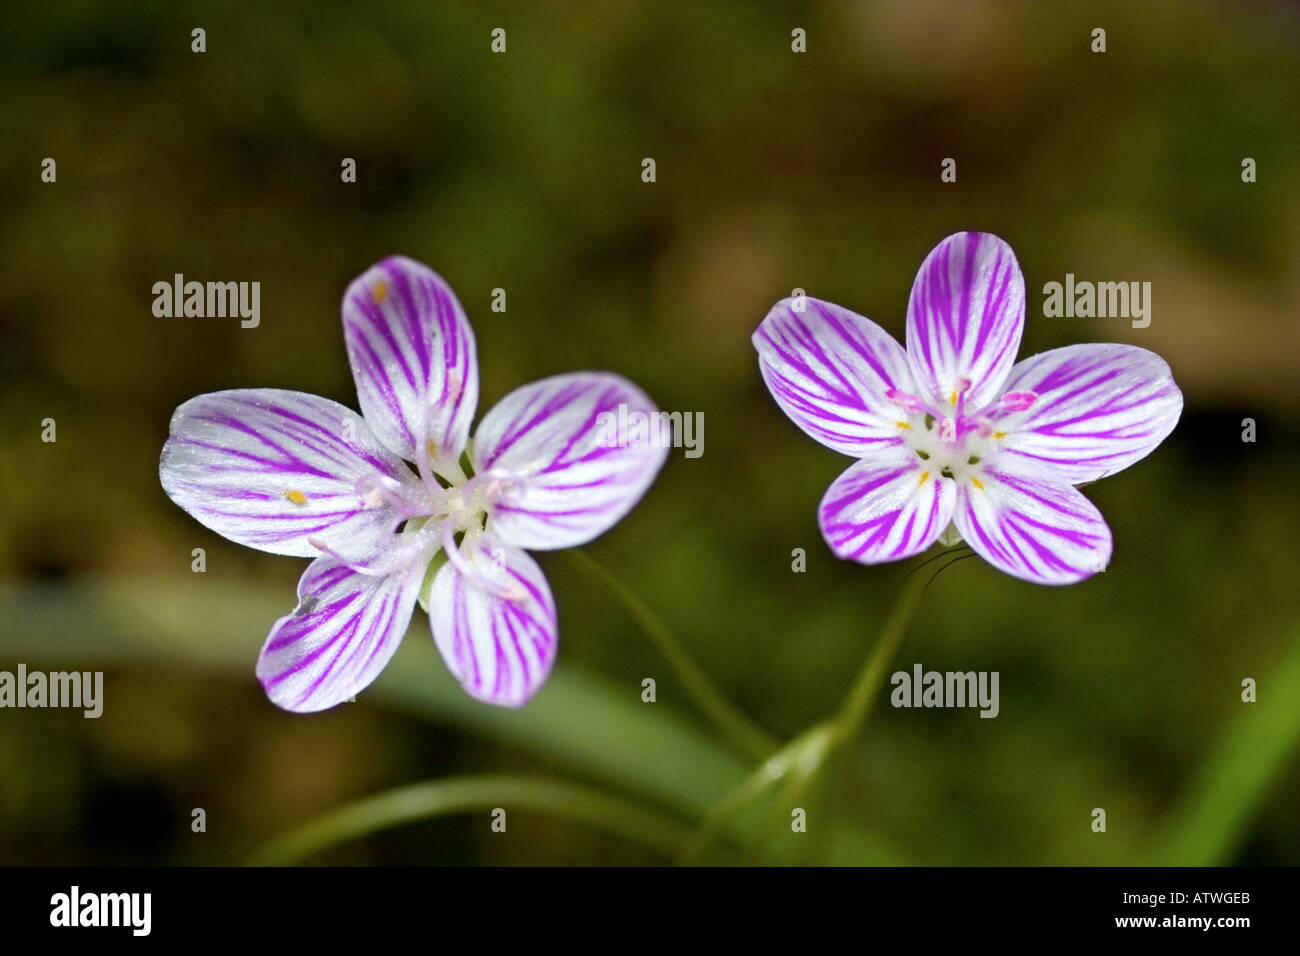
(483, 793)
(580, 721)
(1207, 825)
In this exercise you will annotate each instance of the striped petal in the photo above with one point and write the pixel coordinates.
(413, 358)
(575, 452)
(831, 371)
(964, 320)
(885, 508)
(1032, 526)
(336, 641)
(277, 470)
(1099, 409)
(498, 640)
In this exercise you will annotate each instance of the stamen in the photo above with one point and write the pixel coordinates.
(374, 490)
(977, 483)
(489, 486)
(925, 475)
(410, 549)
(903, 425)
(423, 457)
(504, 590)
(297, 497)
(379, 292)
(1017, 401)
(963, 386)
(369, 570)
(910, 402)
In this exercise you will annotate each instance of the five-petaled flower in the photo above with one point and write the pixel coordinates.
(950, 434)
(295, 474)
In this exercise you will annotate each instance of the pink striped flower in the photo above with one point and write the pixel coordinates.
(950, 435)
(295, 474)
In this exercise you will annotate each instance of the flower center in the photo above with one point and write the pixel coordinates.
(449, 504)
(464, 508)
(949, 442)
(951, 447)
(465, 504)
(455, 504)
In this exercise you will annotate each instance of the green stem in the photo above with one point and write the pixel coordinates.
(485, 792)
(844, 727)
(742, 731)
(797, 791)
(800, 753)
(803, 758)
(866, 687)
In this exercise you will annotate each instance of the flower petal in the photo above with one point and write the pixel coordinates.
(885, 508)
(413, 358)
(336, 641)
(275, 469)
(500, 648)
(830, 370)
(1099, 409)
(964, 320)
(1032, 526)
(576, 452)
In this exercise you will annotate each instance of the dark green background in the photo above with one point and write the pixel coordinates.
(776, 170)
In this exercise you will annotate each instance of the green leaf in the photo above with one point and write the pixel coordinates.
(485, 792)
(585, 723)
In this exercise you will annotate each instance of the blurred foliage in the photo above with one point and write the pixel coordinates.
(775, 170)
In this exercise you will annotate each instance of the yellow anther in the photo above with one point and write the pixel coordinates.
(977, 483)
(902, 424)
(297, 497)
(953, 400)
(379, 292)
(924, 475)
(433, 448)
(999, 434)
